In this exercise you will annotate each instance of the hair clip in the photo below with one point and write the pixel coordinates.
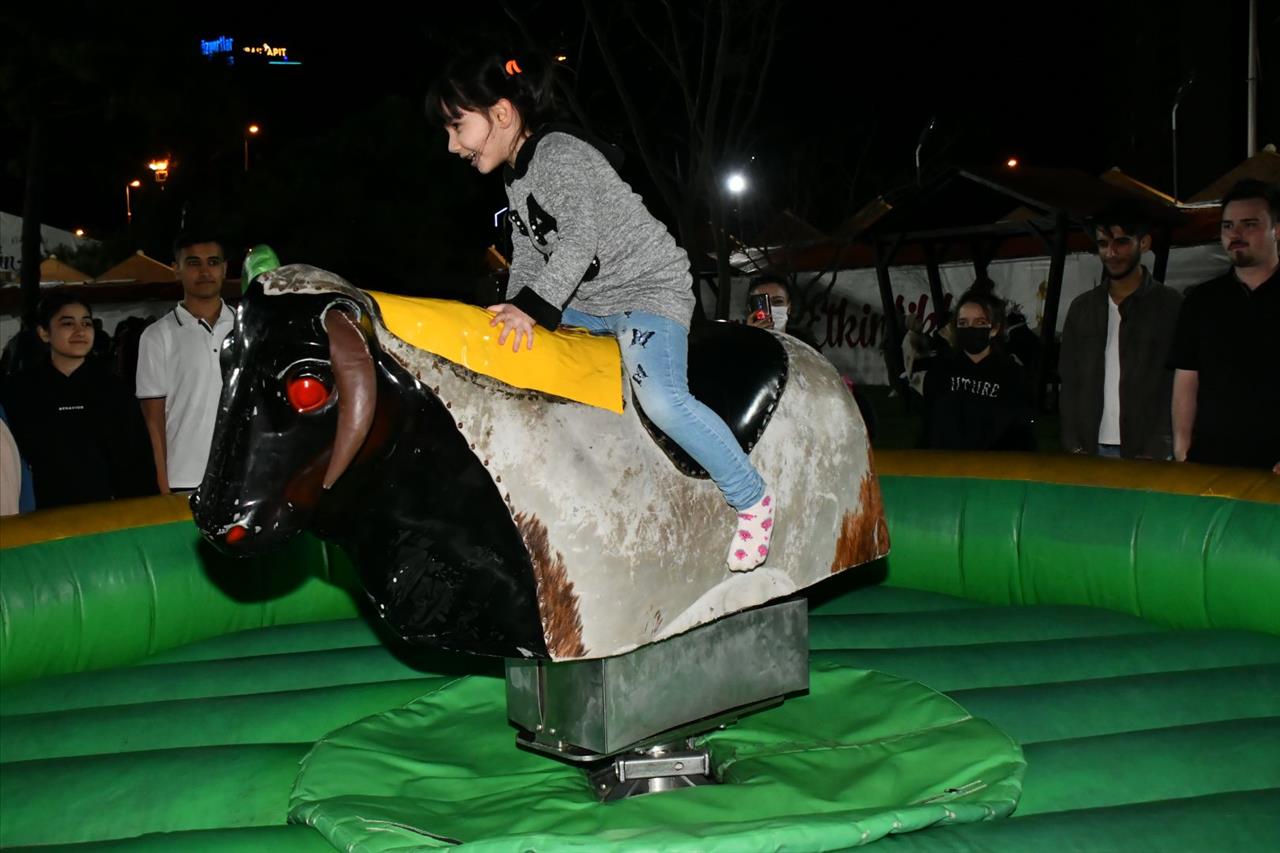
(513, 68)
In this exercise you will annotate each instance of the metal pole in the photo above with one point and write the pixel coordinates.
(919, 145)
(1164, 240)
(128, 206)
(935, 277)
(892, 338)
(1049, 320)
(1173, 127)
(1251, 133)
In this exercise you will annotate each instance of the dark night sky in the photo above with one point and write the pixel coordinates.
(851, 87)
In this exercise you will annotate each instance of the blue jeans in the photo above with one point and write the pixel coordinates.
(655, 355)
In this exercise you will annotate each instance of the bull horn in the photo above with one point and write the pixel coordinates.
(357, 390)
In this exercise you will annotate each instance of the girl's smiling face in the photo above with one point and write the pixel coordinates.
(70, 332)
(485, 138)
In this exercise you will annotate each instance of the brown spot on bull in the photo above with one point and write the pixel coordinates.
(557, 601)
(864, 536)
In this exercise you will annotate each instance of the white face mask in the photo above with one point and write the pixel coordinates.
(779, 317)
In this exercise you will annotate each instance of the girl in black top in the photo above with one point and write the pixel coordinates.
(978, 398)
(75, 421)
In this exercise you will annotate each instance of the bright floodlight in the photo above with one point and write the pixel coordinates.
(736, 183)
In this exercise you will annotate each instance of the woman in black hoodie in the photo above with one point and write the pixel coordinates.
(978, 399)
(74, 421)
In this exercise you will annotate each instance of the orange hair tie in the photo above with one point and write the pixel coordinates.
(513, 68)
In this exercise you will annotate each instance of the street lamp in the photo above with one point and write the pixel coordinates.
(161, 170)
(128, 201)
(736, 184)
(79, 232)
(252, 130)
(1012, 162)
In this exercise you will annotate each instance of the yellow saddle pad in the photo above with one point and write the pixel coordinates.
(568, 363)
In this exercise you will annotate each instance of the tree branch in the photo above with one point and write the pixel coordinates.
(669, 193)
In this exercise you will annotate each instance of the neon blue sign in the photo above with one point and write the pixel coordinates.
(213, 47)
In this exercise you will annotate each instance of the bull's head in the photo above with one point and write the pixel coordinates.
(298, 398)
(320, 429)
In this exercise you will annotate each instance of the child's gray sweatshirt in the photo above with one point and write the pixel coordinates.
(582, 237)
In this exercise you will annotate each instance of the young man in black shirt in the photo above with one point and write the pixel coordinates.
(1226, 392)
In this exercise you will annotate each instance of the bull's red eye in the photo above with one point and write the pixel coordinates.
(306, 393)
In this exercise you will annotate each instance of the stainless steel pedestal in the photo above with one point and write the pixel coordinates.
(631, 713)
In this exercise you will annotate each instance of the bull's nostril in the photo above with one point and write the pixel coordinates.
(236, 533)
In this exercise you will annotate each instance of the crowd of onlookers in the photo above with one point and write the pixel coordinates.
(87, 421)
(1146, 372)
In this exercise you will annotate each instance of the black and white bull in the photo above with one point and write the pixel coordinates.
(496, 520)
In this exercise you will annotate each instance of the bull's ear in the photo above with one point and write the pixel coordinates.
(261, 258)
(357, 387)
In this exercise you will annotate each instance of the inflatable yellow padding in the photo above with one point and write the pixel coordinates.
(65, 522)
(1245, 484)
(1210, 481)
(568, 363)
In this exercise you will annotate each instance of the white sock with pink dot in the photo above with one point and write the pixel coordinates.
(750, 545)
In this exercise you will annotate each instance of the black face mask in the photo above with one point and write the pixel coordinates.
(974, 339)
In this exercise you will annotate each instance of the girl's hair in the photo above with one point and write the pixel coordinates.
(476, 80)
(55, 302)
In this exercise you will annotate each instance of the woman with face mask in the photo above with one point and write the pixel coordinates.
(782, 314)
(979, 398)
(777, 317)
(774, 288)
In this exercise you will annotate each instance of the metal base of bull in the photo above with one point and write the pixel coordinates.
(664, 767)
(630, 719)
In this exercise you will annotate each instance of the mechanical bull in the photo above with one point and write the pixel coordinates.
(491, 519)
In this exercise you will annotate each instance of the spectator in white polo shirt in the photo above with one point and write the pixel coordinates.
(179, 379)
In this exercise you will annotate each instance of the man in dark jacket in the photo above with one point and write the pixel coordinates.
(1116, 384)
